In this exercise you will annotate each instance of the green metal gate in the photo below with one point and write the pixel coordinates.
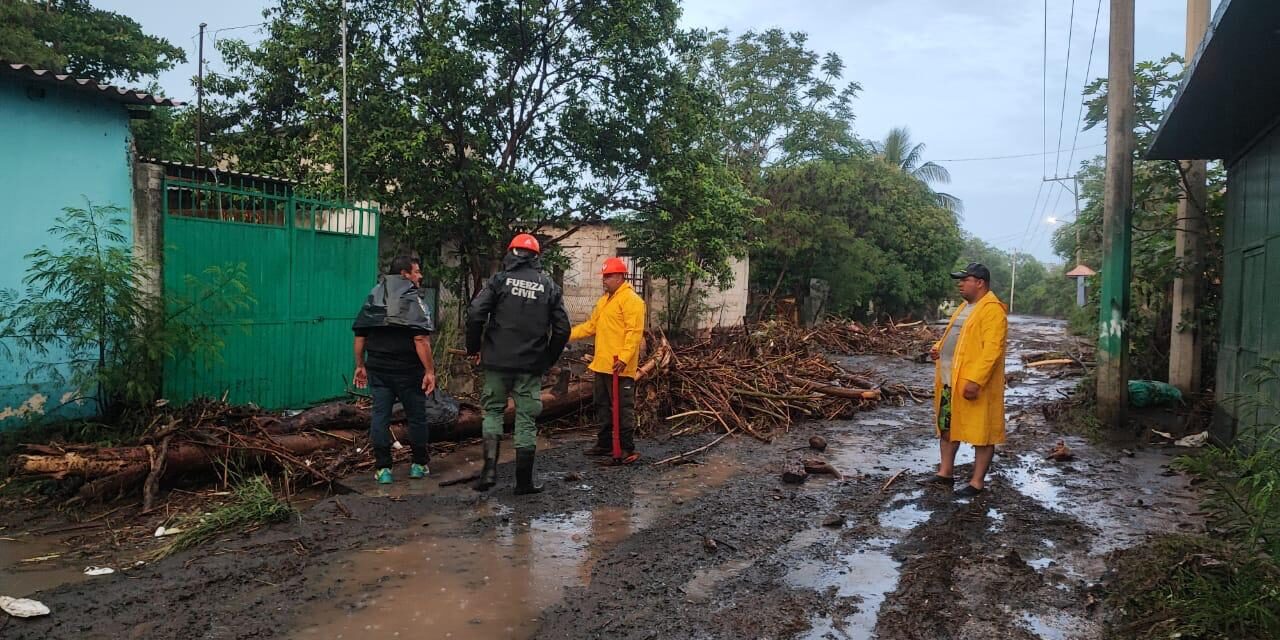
(309, 263)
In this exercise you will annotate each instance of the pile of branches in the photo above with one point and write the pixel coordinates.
(211, 439)
(758, 380)
(761, 379)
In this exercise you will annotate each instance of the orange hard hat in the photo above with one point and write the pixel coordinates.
(613, 265)
(525, 241)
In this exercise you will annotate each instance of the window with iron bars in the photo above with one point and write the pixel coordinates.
(635, 273)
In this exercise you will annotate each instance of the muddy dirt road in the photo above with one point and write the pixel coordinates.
(624, 553)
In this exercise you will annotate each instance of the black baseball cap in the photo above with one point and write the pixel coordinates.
(975, 269)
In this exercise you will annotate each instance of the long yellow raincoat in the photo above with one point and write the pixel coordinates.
(617, 322)
(979, 357)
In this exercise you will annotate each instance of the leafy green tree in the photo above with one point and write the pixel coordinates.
(1041, 289)
(474, 118)
(999, 261)
(875, 234)
(1157, 186)
(87, 306)
(71, 36)
(702, 216)
(783, 104)
(167, 133)
(898, 149)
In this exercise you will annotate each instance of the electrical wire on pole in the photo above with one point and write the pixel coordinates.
(1016, 155)
(1088, 68)
(1066, 77)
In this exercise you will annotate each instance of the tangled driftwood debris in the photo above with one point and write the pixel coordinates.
(761, 379)
(757, 380)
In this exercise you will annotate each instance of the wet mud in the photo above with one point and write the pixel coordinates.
(716, 549)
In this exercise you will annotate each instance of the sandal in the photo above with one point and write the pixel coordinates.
(935, 480)
(968, 491)
(627, 458)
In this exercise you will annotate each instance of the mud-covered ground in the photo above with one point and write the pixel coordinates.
(624, 552)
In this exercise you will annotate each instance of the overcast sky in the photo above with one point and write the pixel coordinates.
(965, 75)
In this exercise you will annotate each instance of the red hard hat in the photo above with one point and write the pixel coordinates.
(525, 241)
(613, 265)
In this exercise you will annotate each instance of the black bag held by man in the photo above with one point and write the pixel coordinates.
(395, 302)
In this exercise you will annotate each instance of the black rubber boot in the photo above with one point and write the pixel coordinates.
(489, 475)
(524, 472)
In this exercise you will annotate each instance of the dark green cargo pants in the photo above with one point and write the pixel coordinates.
(526, 390)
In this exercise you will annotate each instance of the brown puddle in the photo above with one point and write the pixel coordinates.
(26, 566)
(459, 463)
(679, 485)
(496, 584)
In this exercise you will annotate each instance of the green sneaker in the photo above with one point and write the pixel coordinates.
(418, 471)
(383, 476)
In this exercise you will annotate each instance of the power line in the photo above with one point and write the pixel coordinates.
(999, 240)
(1066, 77)
(1044, 91)
(243, 26)
(1019, 155)
(1088, 67)
(1048, 211)
(1035, 206)
(1038, 233)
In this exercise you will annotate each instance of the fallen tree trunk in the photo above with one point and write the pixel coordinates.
(188, 455)
(325, 416)
(1052, 362)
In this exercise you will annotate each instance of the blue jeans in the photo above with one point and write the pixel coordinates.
(386, 389)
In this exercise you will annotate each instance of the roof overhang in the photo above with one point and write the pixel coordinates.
(1232, 93)
(1081, 271)
(84, 85)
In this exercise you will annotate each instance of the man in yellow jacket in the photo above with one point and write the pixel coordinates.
(968, 397)
(617, 322)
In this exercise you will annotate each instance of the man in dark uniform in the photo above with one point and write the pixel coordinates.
(517, 328)
(393, 358)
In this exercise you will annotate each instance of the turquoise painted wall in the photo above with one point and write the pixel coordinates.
(58, 149)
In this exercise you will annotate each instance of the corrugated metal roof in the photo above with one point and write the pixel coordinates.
(1228, 95)
(87, 85)
(215, 171)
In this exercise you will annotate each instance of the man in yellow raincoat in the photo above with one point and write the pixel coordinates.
(968, 398)
(617, 322)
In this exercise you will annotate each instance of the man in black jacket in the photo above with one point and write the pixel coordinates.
(393, 358)
(520, 317)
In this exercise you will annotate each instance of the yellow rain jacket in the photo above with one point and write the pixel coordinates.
(617, 322)
(979, 357)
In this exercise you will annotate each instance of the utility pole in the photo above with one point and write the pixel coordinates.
(345, 186)
(1113, 332)
(1075, 194)
(1188, 288)
(1013, 278)
(200, 93)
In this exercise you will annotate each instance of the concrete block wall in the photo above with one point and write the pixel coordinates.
(729, 307)
(721, 308)
(586, 250)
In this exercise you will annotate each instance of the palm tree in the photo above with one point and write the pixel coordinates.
(898, 151)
